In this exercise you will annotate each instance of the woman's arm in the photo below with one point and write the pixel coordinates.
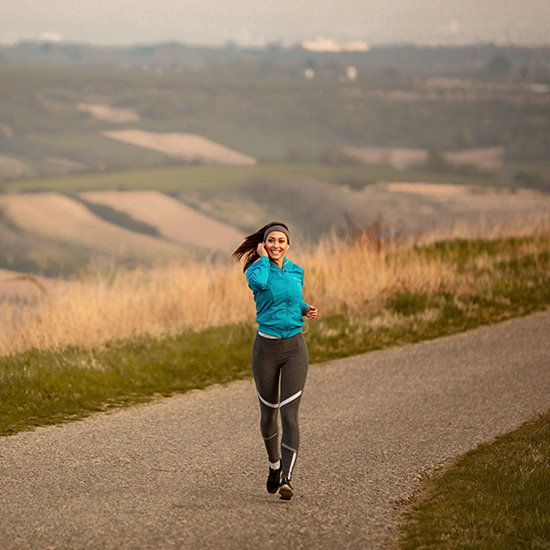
(257, 274)
(307, 311)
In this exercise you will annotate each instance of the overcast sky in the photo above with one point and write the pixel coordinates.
(245, 22)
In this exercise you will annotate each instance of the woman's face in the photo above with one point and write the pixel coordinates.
(276, 245)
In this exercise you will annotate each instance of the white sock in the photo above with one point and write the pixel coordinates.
(275, 465)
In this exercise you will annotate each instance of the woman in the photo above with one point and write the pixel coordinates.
(280, 353)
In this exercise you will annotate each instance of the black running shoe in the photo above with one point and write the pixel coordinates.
(273, 480)
(285, 488)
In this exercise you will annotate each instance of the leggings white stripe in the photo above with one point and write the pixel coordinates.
(273, 406)
(292, 398)
(292, 464)
(294, 454)
(288, 447)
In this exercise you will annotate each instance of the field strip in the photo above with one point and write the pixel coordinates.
(63, 219)
(449, 211)
(190, 147)
(400, 158)
(430, 189)
(484, 158)
(172, 218)
(109, 114)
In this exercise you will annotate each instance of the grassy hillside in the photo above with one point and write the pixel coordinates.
(272, 113)
(216, 178)
(194, 205)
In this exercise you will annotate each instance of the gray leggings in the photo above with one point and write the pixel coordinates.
(285, 360)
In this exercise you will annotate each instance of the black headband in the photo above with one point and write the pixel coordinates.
(277, 228)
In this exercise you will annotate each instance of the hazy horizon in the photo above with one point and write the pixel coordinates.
(246, 23)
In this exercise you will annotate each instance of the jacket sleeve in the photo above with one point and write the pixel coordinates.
(303, 304)
(257, 274)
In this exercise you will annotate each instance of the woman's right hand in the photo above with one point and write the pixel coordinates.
(311, 312)
(260, 249)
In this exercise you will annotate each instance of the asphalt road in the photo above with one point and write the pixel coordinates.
(189, 471)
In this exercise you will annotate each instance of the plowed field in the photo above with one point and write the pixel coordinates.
(65, 220)
(172, 218)
(190, 147)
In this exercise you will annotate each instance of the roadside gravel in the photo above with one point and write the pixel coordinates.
(189, 471)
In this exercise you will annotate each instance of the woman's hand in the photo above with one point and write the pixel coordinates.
(310, 312)
(260, 249)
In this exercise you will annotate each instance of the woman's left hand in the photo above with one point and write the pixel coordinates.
(310, 312)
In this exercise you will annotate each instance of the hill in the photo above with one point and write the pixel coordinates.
(59, 102)
(51, 233)
(172, 218)
(314, 207)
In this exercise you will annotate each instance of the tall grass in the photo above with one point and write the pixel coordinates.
(361, 275)
(100, 307)
(111, 341)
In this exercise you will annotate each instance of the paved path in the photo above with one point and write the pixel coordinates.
(189, 472)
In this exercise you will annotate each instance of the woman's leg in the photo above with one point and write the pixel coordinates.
(265, 368)
(293, 378)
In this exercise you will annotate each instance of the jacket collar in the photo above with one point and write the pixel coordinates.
(286, 264)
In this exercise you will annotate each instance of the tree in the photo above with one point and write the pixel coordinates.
(535, 179)
(499, 66)
(437, 161)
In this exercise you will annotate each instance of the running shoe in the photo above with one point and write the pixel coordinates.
(285, 488)
(273, 480)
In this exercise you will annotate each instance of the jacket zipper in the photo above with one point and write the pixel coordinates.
(286, 301)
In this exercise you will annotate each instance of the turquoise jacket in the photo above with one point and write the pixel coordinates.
(278, 296)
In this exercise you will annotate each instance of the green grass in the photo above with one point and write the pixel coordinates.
(39, 388)
(213, 177)
(493, 497)
(47, 387)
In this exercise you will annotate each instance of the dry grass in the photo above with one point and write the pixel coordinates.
(91, 312)
(354, 275)
(526, 223)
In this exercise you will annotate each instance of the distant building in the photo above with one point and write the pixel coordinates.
(329, 45)
(351, 73)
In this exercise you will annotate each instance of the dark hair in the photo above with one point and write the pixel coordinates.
(248, 249)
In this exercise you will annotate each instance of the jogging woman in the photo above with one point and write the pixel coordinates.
(279, 355)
